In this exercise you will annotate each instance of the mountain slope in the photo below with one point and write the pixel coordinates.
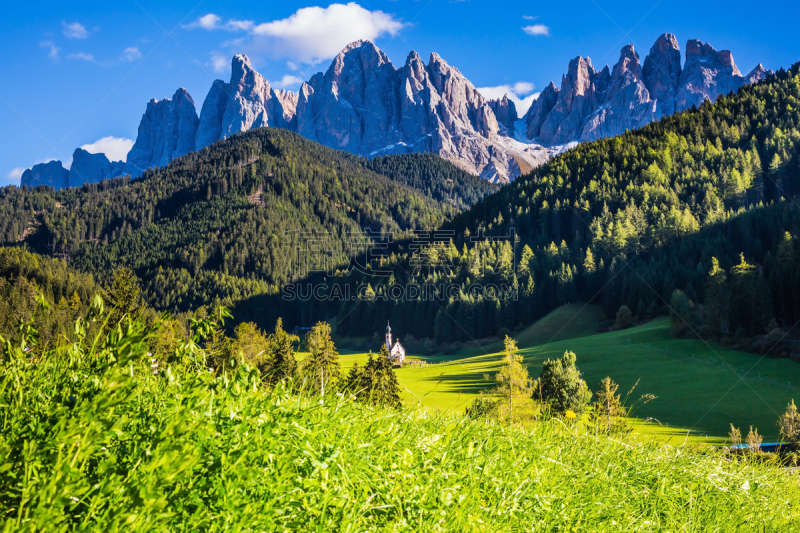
(594, 104)
(365, 105)
(221, 224)
(627, 221)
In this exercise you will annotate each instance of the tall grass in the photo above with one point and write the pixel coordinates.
(92, 441)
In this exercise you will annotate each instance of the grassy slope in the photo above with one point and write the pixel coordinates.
(698, 393)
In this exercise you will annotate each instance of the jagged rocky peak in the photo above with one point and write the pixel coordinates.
(706, 75)
(592, 104)
(251, 101)
(662, 71)
(414, 71)
(353, 106)
(505, 112)
(624, 105)
(246, 101)
(52, 174)
(757, 74)
(364, 54)
(539, 110)
(575, 102)
(93, 168)
(628, 63)
(697, 50)
(168, 129)
(209, 129)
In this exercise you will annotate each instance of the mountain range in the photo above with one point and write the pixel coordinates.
(365, 105)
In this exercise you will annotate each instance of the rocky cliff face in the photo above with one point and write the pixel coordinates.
(92, 168)
(351, 107)
(505, 112)
(540, 110)
(247, 101)
(209, 129)
(706, 74)
(624, 103)
(168, 129)
(52, 174)
(576, 101)
(365, 105)
(662, 72)
(592, 105)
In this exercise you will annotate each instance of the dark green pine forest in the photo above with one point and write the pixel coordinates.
(694, 215)
(702, 203)
(218, 226)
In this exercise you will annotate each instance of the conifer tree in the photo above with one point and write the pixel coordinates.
(351, 383)
(321, 368)
(281, 364)
(608, 409)
(754, 440)
(515, 386)
(124, 296)
(525, 260)
(380, 382)
(743, 293)
(789, 424)
(251, 343)
(735, 436)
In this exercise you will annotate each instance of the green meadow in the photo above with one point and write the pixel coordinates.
(700, 387)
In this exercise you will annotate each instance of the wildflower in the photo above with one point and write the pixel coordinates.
(570, 414)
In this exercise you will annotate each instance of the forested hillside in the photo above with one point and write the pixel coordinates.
(627, 221)
(434, 176)
(216, 225)
(24, 276)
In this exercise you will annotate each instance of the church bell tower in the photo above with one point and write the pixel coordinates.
(388, 337)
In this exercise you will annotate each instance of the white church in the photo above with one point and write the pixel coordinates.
(396, 351)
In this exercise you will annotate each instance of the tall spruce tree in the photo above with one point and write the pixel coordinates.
(281, 364)
(124, 296)
(321, 368)
(379, 381)
(608, 414)
(514, 386)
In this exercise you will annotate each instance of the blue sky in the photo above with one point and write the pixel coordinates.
(80, 73)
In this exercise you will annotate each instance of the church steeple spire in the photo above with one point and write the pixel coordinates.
(388, 336)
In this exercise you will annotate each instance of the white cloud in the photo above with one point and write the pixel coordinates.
(75, 30)
(314, 34)
(537, 29)
(516, 93)
(239, 25)
(286, 82)
(131, 54)
(219, 62)
(523, 87)
(16, 173)
(212, 22)
(206, 22)
(115, 148)
(82, 57)
(53, 54)
(528, 17)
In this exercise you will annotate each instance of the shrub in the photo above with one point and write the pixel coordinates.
(624, 318)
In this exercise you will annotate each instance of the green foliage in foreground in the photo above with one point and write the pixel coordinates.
(92, 440)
